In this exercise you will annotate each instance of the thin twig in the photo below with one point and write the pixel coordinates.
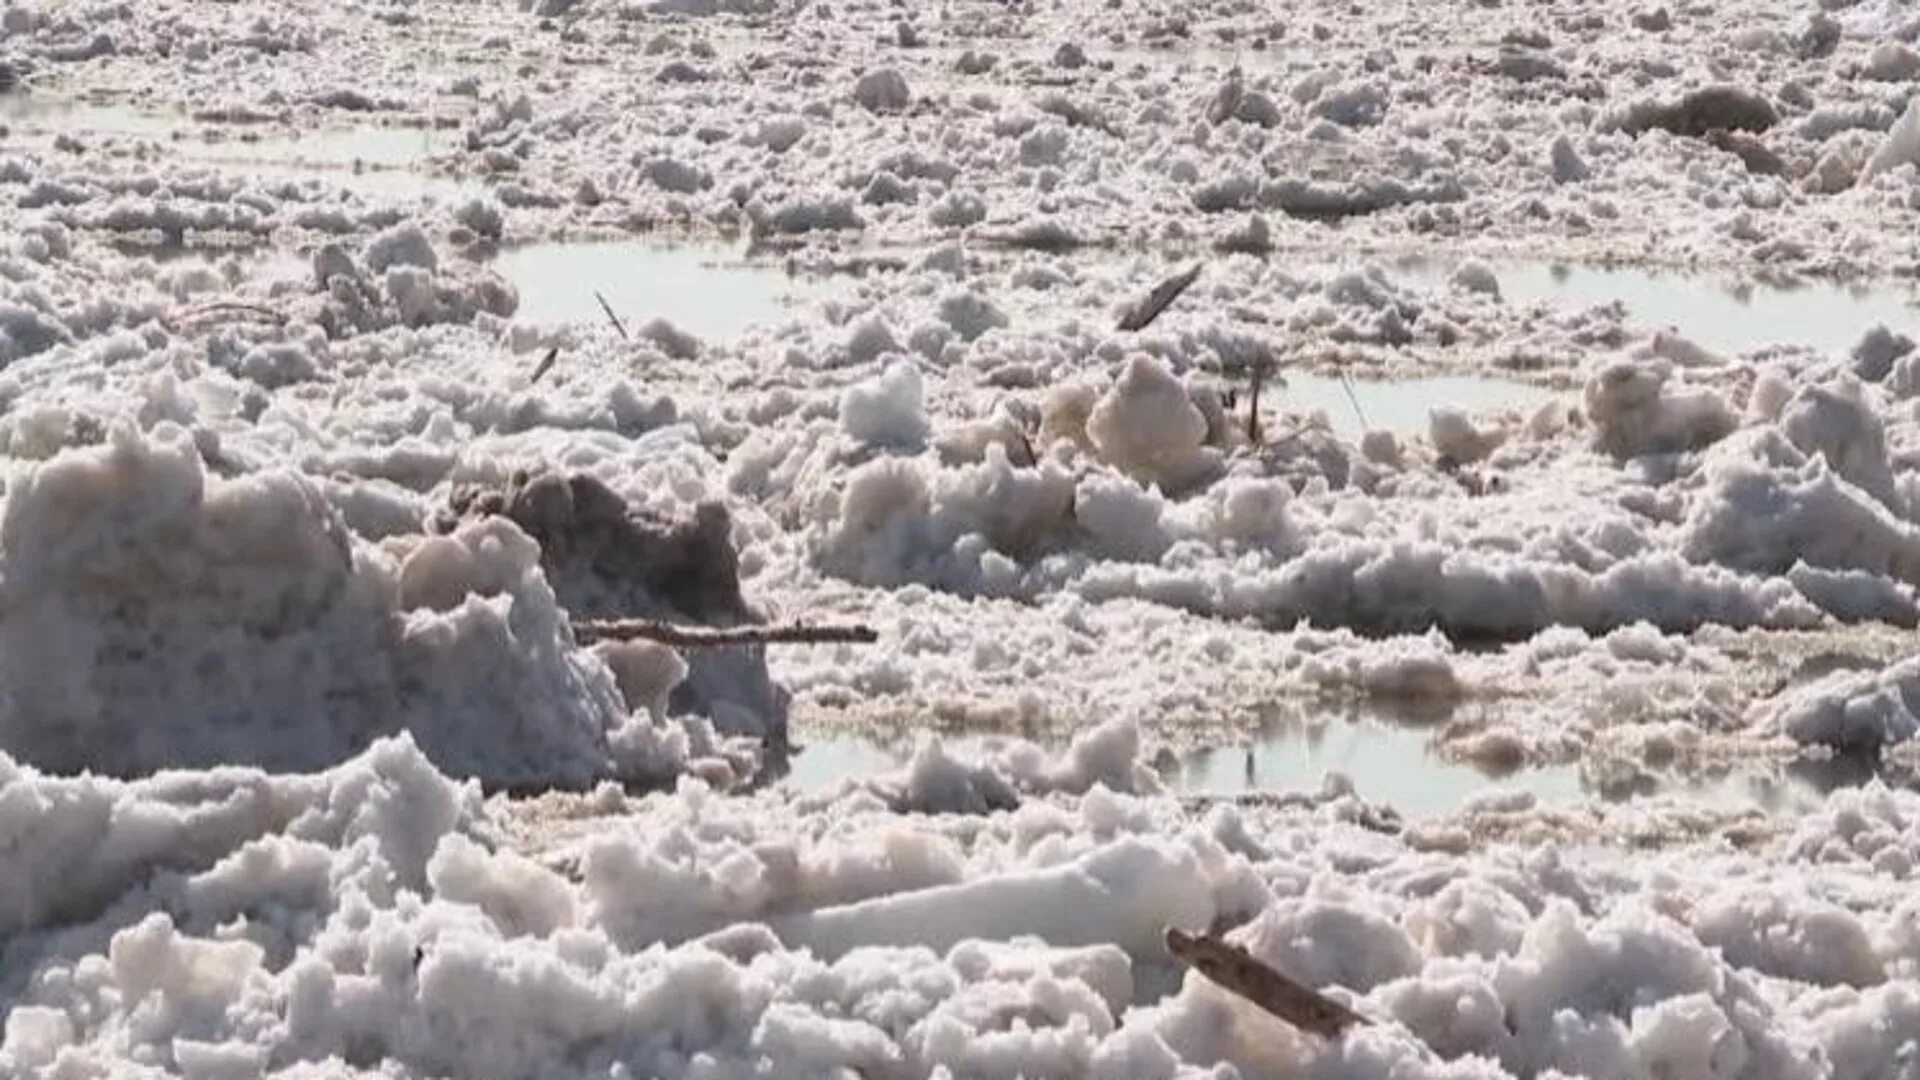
(1226, 100)
(1033, 459)
(611, 317)
(1353, 397)
(1236, 970)
(1253, 404)
(697, 637)
(1161, 298)
(545, 365)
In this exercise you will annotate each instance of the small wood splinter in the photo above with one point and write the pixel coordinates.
(1236, 970)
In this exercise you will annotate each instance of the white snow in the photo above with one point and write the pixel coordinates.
(306, 771)
(379, 914)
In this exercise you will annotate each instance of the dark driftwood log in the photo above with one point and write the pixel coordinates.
(1235, 969)
(545, 365)
(1161, 298)
(695, 637)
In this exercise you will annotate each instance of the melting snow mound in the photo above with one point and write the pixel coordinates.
(155, 616)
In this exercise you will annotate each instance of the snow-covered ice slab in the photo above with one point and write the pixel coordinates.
(329, 507)
(379, 919)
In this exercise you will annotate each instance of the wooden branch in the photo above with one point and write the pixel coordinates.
(1226, 100)
(1236, 970)
(230, 307)
(546, 364)
(707, 637)
(1253, 404)
(1026, 444)
(611, 317)
(1161, 298)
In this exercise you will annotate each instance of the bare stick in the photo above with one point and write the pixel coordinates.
(1226, 100)
(1161, 298)
(1353, 397)
(703, 637)
(1033, 459)
(1236, 970)
(545, 365)
(231, 307)
(611, 317)
(1253, 404)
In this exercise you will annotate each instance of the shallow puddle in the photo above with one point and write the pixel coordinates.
(1725, 317)
(390, 183)
(708, 290)
(1356, 406)
(1389, 762)
(374, 147)
(380, 161)
(59, 115)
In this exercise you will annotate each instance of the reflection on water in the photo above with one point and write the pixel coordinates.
(1388, 762)
(1725, 317)
(708, 290)
(1390, 759)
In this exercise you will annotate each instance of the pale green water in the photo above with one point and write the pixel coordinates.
(1400, 406)
(709, 291)
(1387, 761)
(386, 161)
(53, 114)
(1725, 317)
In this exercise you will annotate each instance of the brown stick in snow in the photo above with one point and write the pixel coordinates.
(1226, 100)
(611, 317)
(1026, 444)
(1236, 970)
(1161, 298)
(546, 364)
(696, 637)
(1253, 404)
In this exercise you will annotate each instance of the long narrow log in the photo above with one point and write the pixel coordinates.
(545, 365)
(1161, 298)
(1236, 970)
(697, 637)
